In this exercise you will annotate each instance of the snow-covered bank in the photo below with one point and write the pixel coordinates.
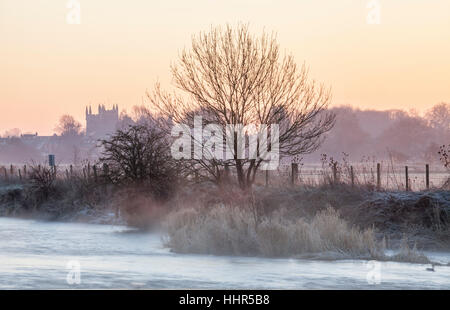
(15, 201)
(83, 215)
(287, 222)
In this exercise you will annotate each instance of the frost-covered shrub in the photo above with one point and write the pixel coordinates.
(226, 230)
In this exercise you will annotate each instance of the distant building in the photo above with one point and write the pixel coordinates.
(28, 135)
(101, 124)
(32, 147)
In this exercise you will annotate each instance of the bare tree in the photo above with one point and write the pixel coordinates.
(439, 116)
(139, 155)
(15, 132)
(42, 181)
(68, 126)
(444, 153)
(230, 76)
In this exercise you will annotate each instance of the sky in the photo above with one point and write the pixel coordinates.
(50, 67)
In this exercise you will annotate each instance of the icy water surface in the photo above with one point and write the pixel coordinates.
(35, 255)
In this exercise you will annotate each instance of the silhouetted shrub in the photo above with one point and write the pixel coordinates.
(140, 156)
(42, 181)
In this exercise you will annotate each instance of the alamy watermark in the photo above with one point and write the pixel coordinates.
(73, 16)
(234, 141)
(74, 274)
(374, 15)
(373, 276)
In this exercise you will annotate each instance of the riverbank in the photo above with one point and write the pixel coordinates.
(18, 201)
(329, 221)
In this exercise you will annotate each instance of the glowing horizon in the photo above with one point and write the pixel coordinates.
(49, 68)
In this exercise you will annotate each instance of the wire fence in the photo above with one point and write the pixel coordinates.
(378, 176)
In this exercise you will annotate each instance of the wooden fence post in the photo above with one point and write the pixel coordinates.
(335, 180)
(378, 176)
(406, 178)
(105, 170)
(25, 171)
(20, 175)
(71, 171)
(427, 176)
(227, 173)
(352, 176)
(294, 173)
(94, 167)
(105, 176)
(11, 171)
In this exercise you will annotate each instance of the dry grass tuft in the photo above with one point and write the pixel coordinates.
(226, 230)
(408, 254)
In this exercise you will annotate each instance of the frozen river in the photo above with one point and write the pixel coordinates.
(43, 255)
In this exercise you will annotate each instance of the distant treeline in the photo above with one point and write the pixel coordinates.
(395, 134)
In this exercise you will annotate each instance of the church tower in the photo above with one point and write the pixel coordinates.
(102, 124)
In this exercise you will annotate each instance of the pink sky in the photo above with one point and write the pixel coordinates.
(49, 68)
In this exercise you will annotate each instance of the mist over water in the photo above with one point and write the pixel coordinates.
(351, 191)
(34, 255)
